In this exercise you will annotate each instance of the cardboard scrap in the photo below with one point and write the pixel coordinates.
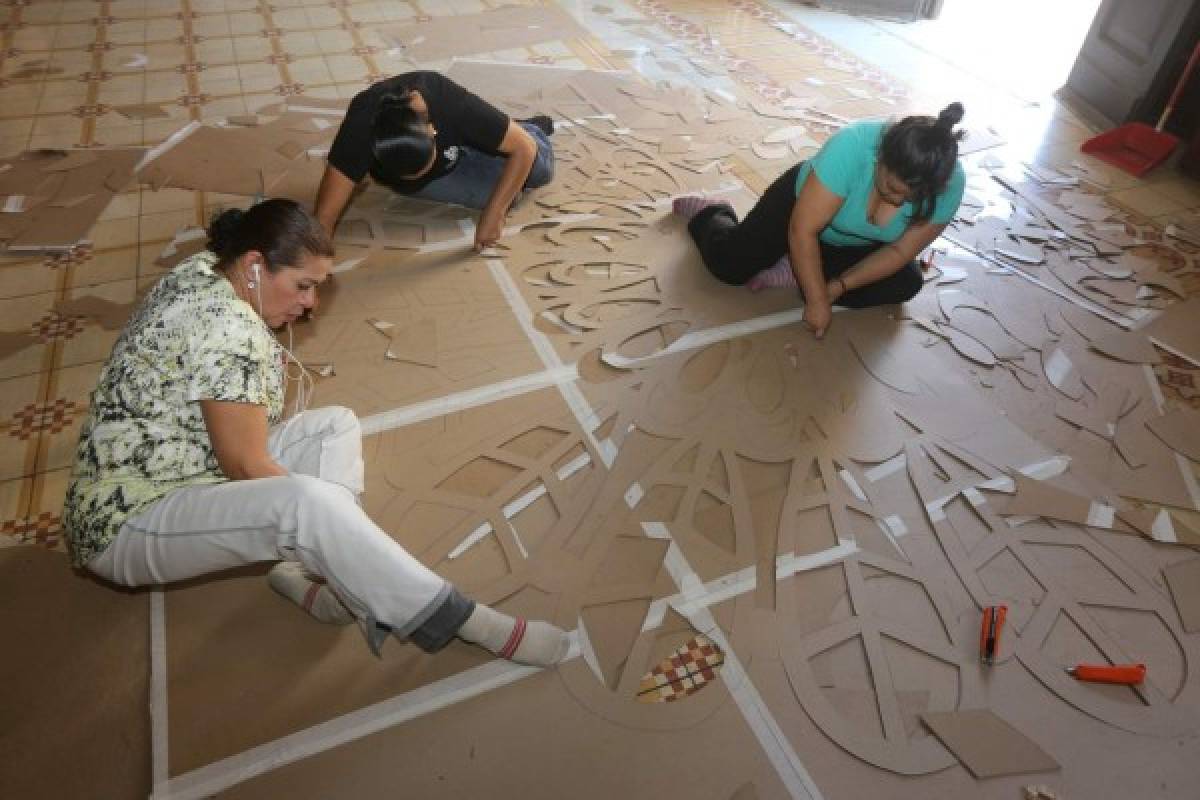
(57, 206)
(1061, 371)
(1178, 329)
(987, 745)
(1183, 579)
(70, 160)
(1179, 430)
(415, 343)
(1041, 499)
(142, 111)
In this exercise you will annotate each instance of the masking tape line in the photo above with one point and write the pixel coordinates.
(325, 112)
(720, 333)
(881, 471)
(159, 742)
(774, 743)
(1174, 351)
(1058, 367)
(469, 398)
(1100, 515)
(974, 497)
(172, 140)
(569, 390)
(215, 777)
(518, 505)
(1162, 529)
(470, 540)
(852, 484)
(771, 738)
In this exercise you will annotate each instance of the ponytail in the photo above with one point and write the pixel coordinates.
(401, 144)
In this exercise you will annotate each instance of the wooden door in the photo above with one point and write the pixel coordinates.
(1124, 48)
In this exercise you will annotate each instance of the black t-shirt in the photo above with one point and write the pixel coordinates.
(459, 117)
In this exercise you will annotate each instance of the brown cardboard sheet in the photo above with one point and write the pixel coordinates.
(79, 696)
(987, 745)
(142, 111)
(76, 194)
(442, 298)
(477, 754)
(484, 32)
(1079, 578)
(272, 160)
(1178, 328)
(1179, 430)
(1183, 579)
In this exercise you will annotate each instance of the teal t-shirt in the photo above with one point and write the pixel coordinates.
(846, 165)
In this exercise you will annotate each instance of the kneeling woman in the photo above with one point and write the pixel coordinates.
(422, 134)
(846, 226)
(185, 466)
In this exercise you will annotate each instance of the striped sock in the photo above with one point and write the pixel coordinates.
(536, 643)
(310, 592)
(779, 276)
(690, 205)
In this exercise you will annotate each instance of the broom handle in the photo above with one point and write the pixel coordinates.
(1183, 79)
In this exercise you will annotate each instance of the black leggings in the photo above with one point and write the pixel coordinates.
(735, 252)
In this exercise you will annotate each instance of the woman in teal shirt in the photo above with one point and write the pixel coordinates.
(847, 226)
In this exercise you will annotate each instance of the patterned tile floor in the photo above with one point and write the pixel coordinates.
(65, 64)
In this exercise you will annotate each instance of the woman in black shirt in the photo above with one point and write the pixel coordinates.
(422, 134)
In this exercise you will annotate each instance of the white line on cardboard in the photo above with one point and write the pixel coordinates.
(159, 743)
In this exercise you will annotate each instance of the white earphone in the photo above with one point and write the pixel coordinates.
(304, 381)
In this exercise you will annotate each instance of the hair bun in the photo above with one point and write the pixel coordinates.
(950, 116)
(223, 229)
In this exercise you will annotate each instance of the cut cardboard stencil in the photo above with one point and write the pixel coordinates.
(1157, 713)
(1179, 430)
(1183, 579)
(54, 197)
(1060, 370)
(612, 629)
(1178, 329)
(416, 343)
(987, 745)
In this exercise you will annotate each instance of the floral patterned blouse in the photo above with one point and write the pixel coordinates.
(191, 339)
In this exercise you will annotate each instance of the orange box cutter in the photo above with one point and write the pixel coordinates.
(1126, 674)
(989, 635)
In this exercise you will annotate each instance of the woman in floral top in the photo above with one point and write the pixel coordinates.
(185, 465)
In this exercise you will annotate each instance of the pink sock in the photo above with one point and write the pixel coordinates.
(690, 205)
(779, 276)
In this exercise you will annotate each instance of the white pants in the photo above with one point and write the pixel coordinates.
(311, 516)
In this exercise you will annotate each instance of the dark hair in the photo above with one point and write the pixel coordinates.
(279, 228)
(921, 152)
(401, 142)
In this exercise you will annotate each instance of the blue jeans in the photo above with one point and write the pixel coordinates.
(471, 182)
